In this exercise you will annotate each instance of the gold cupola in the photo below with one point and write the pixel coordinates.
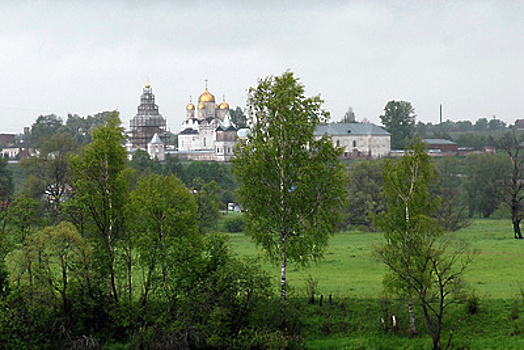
(224, 104)
(190, 106)
(201, 105)
(206, 97)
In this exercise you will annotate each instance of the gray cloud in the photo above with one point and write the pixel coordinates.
(85, 57)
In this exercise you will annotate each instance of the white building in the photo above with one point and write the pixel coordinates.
(359, 140)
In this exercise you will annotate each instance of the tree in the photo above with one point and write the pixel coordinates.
(421, 264)
(6, 182)
(238, 117)
(101, 183)
(514, 185)
(399, 120)
(484, 180)
(290, 184)
(45, 127)
(452, 212)
(208, 201)
(349, 116)
(406, 220)
(81, 128)
(49, 260)
(49, 172)
(164, 220)
(364, 193)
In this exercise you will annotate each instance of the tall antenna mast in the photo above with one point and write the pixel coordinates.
(441, 113)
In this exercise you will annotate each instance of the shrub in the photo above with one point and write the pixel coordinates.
(235, 224)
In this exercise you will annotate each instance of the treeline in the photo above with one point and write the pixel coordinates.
(475, 186)
(97, 250)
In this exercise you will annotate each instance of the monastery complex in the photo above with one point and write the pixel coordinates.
(207, 132)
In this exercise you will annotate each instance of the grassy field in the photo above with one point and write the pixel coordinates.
(353, 276)
(350, 270)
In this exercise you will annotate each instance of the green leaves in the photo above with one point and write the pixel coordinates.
(291, 184)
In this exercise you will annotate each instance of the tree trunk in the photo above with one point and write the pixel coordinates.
(516, 228)
(412, 326)
(283, 270)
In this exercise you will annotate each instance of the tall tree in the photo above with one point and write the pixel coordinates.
(349, 116)
(290, 184)
(421, 264)
(399, 120)
(514, 185)
(44, 127)
(406, 189)
(238, 117)
(364, 193)
(6, 182)
(49, 172)
(101, 183)
(484, 182)
(164, 220)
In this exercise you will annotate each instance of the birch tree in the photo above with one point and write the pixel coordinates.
(422, 263)
(291, 184)
(101, 182)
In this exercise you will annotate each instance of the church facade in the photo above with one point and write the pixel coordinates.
(207, 133)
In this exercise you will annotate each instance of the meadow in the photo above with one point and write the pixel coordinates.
(353, 276)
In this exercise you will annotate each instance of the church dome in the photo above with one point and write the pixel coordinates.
(190, 106)
(201, 105)
(224, 105)
(206, 97)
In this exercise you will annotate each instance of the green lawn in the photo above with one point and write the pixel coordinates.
(350, 270)
(351, 274)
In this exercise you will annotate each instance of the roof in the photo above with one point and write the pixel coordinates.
(189, 131)
(338, 129)
(155, 140)
(438, 142)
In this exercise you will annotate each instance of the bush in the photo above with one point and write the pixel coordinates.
(235, 224)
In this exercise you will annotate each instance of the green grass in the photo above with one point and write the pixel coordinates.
(354, 277)
(350, 270)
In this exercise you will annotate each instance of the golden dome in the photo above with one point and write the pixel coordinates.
(148, 86)
(201, 105)
(216, 106)
(224, 105)
(206, 97)
(190, 106)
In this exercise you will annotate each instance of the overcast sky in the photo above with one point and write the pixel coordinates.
(85, 57)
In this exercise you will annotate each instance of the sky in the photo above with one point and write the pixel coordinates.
(85, 57)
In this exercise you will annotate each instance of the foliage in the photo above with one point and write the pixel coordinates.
(364, 193)
(513, 185)
(238, 117)
(290, 183)
(6, 182)
(452, 214)
(164, 222)
(399, 120)
(485, 174)
(349, 116)
(208, 201)
(49, 174)
(101, 183)
(22, 218)
(234, 224)
(420, 263)
(44, 127)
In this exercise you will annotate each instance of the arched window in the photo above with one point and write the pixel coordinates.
(354, 143)
(338, 143)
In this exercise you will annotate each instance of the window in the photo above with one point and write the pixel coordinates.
(354, 143)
